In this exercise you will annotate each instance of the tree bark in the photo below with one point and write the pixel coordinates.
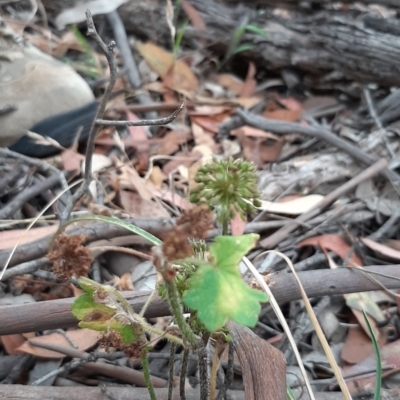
(321, 48)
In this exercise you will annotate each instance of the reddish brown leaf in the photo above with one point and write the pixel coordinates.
(381, 249)
(334, 243)
(172, 142)
(250, 84)
(12, 342)
(195, 18)
(83, 338)
(137, 206)
(181, 78)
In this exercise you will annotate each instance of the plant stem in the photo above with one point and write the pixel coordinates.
(146, 375)
(214, 368)
(171, 370)
(203, 372)
(177, 312)
(182, 378)
(225, 228)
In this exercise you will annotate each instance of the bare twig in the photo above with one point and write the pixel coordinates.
(108, 51)
(319, 132)
(132, 71)
(88, 176)
(282, 233)
(143, 122)
(26, 268)
(66, 367)
(56, 313)
(17, 202)
(41, 165)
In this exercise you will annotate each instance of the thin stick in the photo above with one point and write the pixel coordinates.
(319, 133)
(142, 122)
(283, 233)
(32, 223)
(108, 51)
(88, 176)
(283, 322)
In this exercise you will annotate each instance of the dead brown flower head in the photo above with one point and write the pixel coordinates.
(69, 256)
(194, 223)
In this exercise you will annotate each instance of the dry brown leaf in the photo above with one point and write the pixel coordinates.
(172, 142)
(159, 59)
(130, 179)
(291, 104)
(295, 206)
(157, 177)
(201, 136)
(231, 82)
(210, 123)
(284, 115)
(243, 102)
(238, 226)
(157, 87)
(171, 197)
(12, 342)
(381, 249)
(250, 84)
(259, 146)
(137, 206)
(182, 79)
(179, 159)
(394, 244)
(8, 239)
(125, 282)
(72, 161)
(363, 374)
(195, 17)
(68, 41)
(334, 243)
(254, 132)
(84, 339)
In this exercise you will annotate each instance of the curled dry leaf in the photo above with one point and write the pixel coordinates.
(382, 250)
(292, 207)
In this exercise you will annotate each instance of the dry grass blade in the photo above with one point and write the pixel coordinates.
(33, 223)
(318, 329)
(282, 320)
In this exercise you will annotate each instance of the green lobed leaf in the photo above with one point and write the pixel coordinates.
(218, 295)
(227, 251)
(217, 292)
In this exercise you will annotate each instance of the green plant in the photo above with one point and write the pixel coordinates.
(235, 45)
(208, 282)
(378, 380)
(227, 186)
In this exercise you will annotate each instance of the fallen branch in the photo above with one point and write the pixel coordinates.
(55, 314)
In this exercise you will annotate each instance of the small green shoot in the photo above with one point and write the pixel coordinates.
(217, 291)
(378, 381)
(179, 37)
(89, 64)
(235, 46)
